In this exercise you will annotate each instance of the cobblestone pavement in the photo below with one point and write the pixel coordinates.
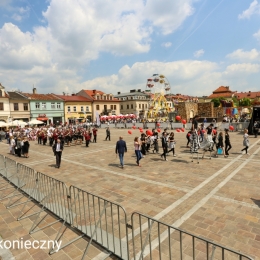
(218, 199)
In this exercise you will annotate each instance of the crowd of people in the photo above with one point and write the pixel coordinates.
(148, 142)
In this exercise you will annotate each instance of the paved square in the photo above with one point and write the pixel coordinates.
(218, 199)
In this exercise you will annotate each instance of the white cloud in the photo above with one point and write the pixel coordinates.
(166, 44)
(257, 35)
(241, 55)
(168, 15)
(242, 69)
(254, 8)
(5, 3)
(198, 53)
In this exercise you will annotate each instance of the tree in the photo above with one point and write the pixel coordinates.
(245, 102)
(236, 101)
(216, 102)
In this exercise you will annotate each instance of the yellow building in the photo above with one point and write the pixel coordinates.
(77, 108)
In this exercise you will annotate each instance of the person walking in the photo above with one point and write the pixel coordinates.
(120, 150)
(94, 130)
(19, 147)
(57, 149)
(164, 146)
(25, 147)
(87, 137)
(227, 143)
(220, 144)
(172, 144)
(137, 146)
(245, 142)
(108, 134)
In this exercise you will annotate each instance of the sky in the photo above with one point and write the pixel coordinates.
(116, 45)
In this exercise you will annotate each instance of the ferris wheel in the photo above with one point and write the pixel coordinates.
(158, 86)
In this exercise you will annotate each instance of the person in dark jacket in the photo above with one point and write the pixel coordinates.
(121, 149)
(57, 149)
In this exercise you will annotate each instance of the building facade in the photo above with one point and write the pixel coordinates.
(134, 102)
(76, 108)
(19, 106)
(102, 103)
(4, 105)
(46, 107)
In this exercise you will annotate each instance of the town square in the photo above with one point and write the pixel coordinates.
(129, 130)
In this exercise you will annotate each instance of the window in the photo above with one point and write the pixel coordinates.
(105, 107)
(97, 107)
(145, 105)
(111, 107)
(82, 109)
(140, 106)
(97, 97)
(16, 108)
(87, 108)
(110, 97)
(122, 107)
(37, 105)
(44, 105)
(1, 106)
(127, 106)
(68, 109)
(52, 105)
(25, 106)
(74, 109)
(58, 105)
(114, 107)
(132, 106)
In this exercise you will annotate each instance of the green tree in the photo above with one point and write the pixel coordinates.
(245, 102)
(235, 101)
(216, 102)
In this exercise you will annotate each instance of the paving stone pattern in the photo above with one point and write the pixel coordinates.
(218, 198)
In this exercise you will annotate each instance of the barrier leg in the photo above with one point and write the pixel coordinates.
(146, 239)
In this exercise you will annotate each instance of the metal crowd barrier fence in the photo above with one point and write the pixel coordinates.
(162, 241)
(52, 196)
(103, 221)
(99, 219)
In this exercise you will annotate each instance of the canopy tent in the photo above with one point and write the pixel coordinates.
(35, 122)
(3, 124)
(17, 123)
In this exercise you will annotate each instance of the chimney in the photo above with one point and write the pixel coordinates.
(94, 91)
(139, 90)
(34, 91)
(118, 93)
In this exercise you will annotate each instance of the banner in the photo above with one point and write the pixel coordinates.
(97, 118)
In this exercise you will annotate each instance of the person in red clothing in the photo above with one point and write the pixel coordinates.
(87, 138)
(94, 134)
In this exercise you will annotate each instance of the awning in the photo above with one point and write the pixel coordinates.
(42, 118)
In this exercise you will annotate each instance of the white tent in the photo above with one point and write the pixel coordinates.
(3, 124)
(17, 123)
(35, 122)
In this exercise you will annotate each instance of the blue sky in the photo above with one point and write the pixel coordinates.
(115, 45)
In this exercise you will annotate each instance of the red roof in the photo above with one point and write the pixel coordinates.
(41, 96)
(92, 93)
(222, 91)
(249, 94)
(74, 98)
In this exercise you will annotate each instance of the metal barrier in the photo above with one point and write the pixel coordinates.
(52, 196)
(9, 175)
(158, 240)
(2, 166)
(101, 220)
